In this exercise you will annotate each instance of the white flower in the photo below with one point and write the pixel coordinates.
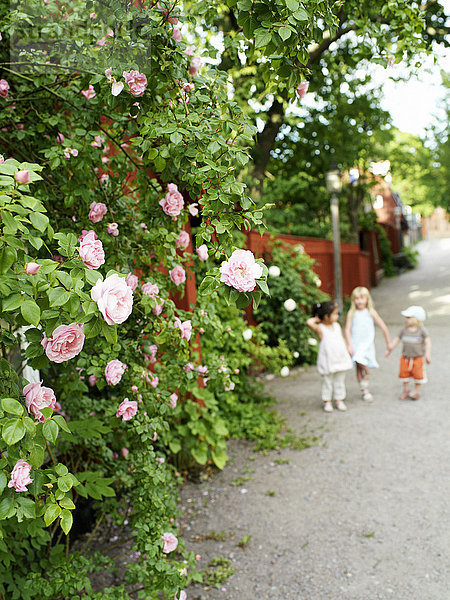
(299, 248)
(284, 371)
(317, 281)
(247, 334)
(274, 271)
(116, 87)
(290, 304)
(312, 341)
(296, 354)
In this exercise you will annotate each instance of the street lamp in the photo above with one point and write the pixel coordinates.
(333, 184)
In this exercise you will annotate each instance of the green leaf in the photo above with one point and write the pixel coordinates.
(200, 454)
(13, 431)
(292, 5)
(301, 14)
(262, 284)
(12, 406)
(52, 512)
(58, 296)
(66, 502)
(262, 37)
(7, 257)
(60, 420)
(3, 482)
(37, 456)
(66, 521)
(65, 483)
(110, 332)
(39, 221)
(7, 507)
(12, 302)
(284, 33)
(220, 458)
(92, 276)
(31, 312)
(50, 431)
(176, 138)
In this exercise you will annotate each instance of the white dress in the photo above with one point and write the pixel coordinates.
(333, 354)
(363, 338)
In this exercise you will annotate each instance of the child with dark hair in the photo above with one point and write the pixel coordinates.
(333, 359)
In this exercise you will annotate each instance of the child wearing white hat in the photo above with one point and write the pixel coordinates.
(416, 347)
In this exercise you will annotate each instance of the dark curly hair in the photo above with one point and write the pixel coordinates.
(322, 309)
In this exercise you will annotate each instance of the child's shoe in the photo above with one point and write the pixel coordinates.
(404, 395)
(327, 406)
(414, 396)
(365, 394)
(340, 405)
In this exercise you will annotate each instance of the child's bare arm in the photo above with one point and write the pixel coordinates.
(313, 324)
(348, 332)
(391, 346)
(382, 325)
(428, 349)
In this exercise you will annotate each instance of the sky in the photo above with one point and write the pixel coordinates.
(413, 104)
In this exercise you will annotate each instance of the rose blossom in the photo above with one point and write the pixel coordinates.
(240, 271)
(185, 328)
(178, 275)
(202, 252)
(230, 386)
(202, 370)
(127, 409)
(114, 371)
(150, 289)
(290, 304)
(157, 310)
(114, 299)
(137, 82)
(20, 476)
(84, 232)
(113, 229)
(274, 271)
(284, 372)
(189, 51)
(183, 595)
(132, 281)
(302, 88)
(60, 137)
(153, 349)
(183, 240)
(37, 396)
(173, 400)
(4, 88)
(91, 251)
(89, 93)
(97, 211)
(188, 367)
(32, 268)
(173, 202)
(22, 177)
(98, 141)
(188, 87)
(193, 209)
(170, 542)
(65, 342)
(195, 66)
(92, 380)
(176, 34)
(247, 334)
(125, 452)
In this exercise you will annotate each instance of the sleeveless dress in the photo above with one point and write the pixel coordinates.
(363, 339)
(333, 354)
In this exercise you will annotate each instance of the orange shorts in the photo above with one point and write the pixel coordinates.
(412, 368)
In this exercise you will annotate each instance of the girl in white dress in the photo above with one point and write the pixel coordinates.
(333, 359)
(360, 335)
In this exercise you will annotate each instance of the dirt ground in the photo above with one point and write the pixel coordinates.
(363, 514)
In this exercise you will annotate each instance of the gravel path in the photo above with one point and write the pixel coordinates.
(363, 514)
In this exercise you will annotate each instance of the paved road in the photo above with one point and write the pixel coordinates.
(363, 515)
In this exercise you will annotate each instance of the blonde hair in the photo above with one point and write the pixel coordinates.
(361, 291)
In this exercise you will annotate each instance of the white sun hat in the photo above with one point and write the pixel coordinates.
(415, 311)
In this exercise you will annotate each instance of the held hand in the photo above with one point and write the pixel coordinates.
(387, 353)
(428, 359)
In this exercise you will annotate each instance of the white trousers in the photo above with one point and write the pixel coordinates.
(333, 386)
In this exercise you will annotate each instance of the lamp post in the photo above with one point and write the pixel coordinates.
(333, 184)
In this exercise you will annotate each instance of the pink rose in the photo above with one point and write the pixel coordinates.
(183, 240)
(188, 367)
(60, 138)
(108, 73)
(97, 211)
(185, 328)
(4, 88)
(116, 87)
(170, 542)
(240, 271)
(153, 380)
(20, 476)
(114, 371)
(127, 409)
(178, 275)
(183, 595)
(230, 386)
(137, 82)
(173, 202)
(84, 232)
(157, 310)
(92, 15)
(37, 396)
(202, 370)
(195, 66)
(202, 252)
(65, 342)
(188, 87)
(153, 349)
(89, 93)
(114, 299)
(22, 177)
(92, 380)
(68, 152)
(125, 452)
(132, 281)
(113, 229)
(98, 141)
(150, 289)
(176, 34)
(193, 209)
(91, 251)
(302, 88)
(189, 51)
(134, 388)
(173, 400)
(32, 268)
